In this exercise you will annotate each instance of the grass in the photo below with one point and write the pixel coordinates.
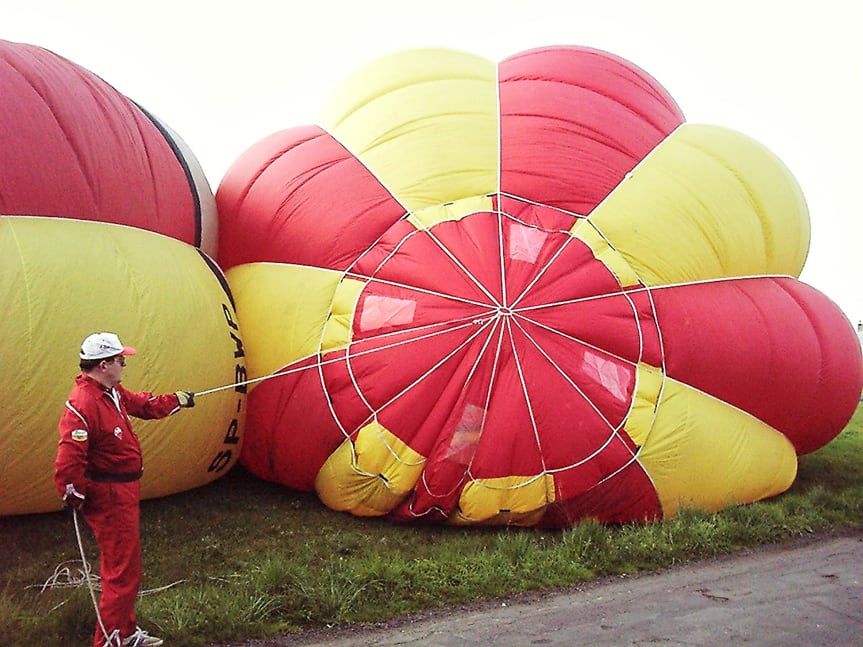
(242, 558)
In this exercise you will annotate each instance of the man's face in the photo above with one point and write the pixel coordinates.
(113, 369)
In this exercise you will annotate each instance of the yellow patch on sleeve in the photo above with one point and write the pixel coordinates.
(80, 435)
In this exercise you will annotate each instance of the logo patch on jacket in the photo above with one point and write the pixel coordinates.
(118, 432)
(80, 435)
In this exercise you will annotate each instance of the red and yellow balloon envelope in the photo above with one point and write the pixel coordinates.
(106, 221)
(527, 293)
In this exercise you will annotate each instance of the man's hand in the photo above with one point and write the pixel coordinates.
(73, 498)
(185, 398)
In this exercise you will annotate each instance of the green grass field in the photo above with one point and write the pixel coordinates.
(242, 558)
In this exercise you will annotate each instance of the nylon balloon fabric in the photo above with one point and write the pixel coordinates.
(75, 147)
(106, 222)
(527, 293)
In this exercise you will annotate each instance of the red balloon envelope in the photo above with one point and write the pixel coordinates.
(528, 294)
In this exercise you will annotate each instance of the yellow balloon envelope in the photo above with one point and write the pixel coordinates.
(64, 279)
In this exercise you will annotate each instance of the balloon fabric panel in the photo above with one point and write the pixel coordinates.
(687, 213)
(52, 308)
(107, 160)
(624, 496)
(425, 123)
(290, 428)
(308, 210)
(278, 337)
(791, 356)
(573, 122)
(703, 454)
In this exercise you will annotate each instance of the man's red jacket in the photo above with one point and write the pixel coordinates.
(96, 434)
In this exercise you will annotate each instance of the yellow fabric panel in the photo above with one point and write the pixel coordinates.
(707, 203)
(64, 279)
(430, 216)
(702, 453)
(616, 264)
(283, 309)
(511, 500)
(424, 121)
(648, 384)
(337, 333)
(370, 476)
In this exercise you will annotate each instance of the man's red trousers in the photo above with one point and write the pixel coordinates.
(111, 510)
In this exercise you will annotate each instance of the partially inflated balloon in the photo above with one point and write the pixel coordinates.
(86, 179)
(527, 293)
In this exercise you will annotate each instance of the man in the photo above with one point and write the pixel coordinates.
(97, 471)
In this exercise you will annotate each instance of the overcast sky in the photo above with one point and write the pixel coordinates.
(223, 75)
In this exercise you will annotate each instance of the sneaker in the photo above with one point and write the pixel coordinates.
(142, 639)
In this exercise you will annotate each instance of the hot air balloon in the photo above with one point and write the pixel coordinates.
(106, 222)
(527, 293)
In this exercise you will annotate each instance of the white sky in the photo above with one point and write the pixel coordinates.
(224, 74)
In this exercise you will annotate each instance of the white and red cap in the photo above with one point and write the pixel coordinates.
(101, 345)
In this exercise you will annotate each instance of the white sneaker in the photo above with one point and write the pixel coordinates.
(142, 639)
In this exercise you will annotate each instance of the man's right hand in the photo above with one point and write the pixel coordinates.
(73, 498)
(185, 399)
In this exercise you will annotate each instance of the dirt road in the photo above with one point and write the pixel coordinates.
(809, 593)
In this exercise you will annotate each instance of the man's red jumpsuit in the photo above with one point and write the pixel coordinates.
(100, 457)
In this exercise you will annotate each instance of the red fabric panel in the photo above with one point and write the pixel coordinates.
(774, 347)
(499, 407)
(298, 196)
(626, 497)
(74, 147)
(574, 121)
(417, 260)
(289, 431)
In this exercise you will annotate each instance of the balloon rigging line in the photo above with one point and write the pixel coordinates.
(461, 266)
(404, 239)
(468, 323)
(473, 321)
(491, 380)
(412, 288)
(544, 205)
(365, 277)
(647, 289)
(614, 431)
(545, 470)
(659, 337)
(394, 251)
(466, 272)
(501, 256)
(625, 295)
(385, 442)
